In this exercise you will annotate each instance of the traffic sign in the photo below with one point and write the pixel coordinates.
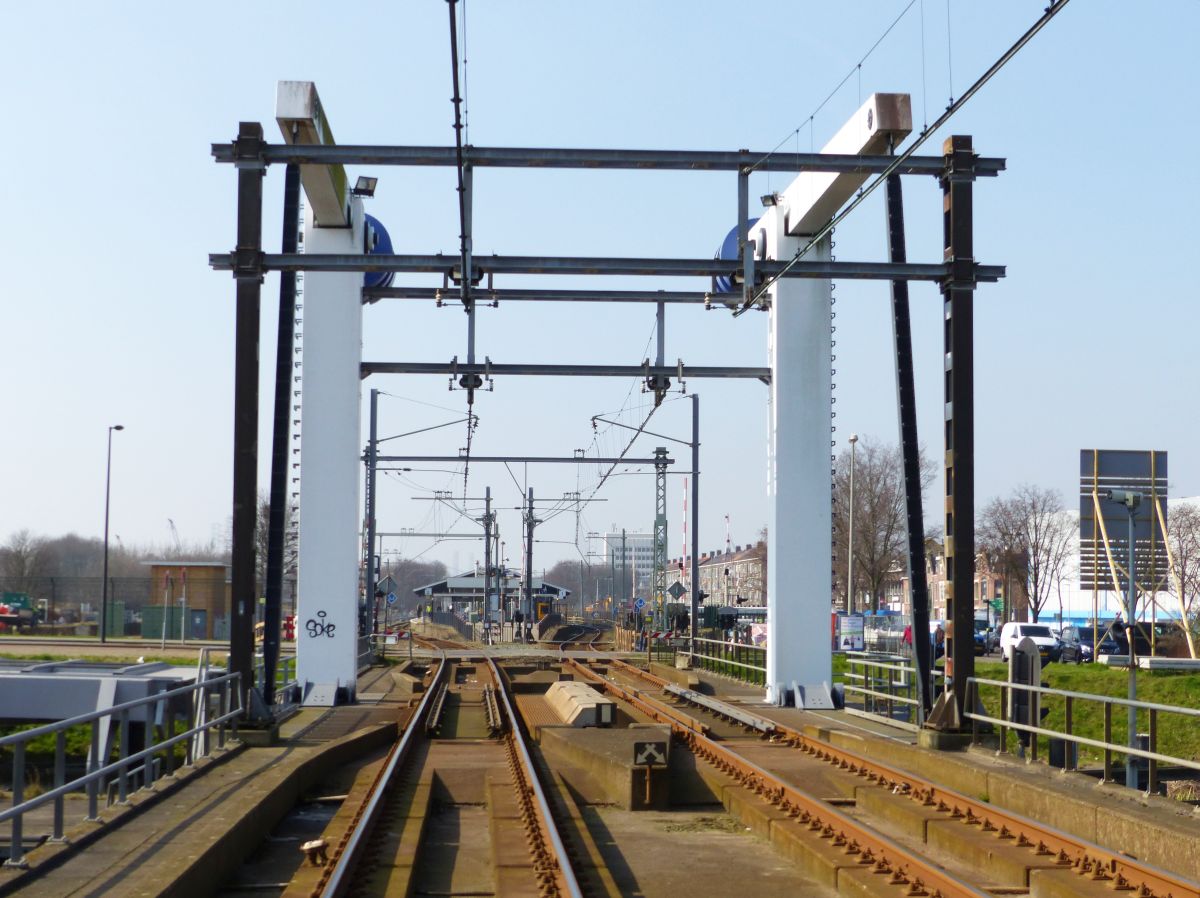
(387, 584)
(639, 603)
(676, 589)
(391, 598)
(650, 754)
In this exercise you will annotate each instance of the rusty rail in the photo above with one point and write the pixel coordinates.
(336, 877)
(907, 872)
(1085, 858)
(553, 865)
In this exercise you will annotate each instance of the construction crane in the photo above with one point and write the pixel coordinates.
(175, 537)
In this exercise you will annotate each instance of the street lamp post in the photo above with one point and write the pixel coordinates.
(1131, 501)
(107, 493)
(850, 535)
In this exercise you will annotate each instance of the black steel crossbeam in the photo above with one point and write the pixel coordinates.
(551, 157)
(458, 368)
(603, 265)
(373, 294)
(531, 459)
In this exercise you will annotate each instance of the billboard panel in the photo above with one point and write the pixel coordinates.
(1139, 471)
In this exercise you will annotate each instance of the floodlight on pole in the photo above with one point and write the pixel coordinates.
(1131, 500)
(107, 492)
(364, 186)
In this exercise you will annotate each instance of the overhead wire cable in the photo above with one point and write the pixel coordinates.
(857, 67)
(949, 54)
(924, 89)
(444, 408)
(1049, 13)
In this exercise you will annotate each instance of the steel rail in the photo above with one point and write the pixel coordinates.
(567, 882)
(874, 850)
(335, 880)
(552, 157)
(1086, 858)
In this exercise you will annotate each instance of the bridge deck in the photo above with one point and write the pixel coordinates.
(210, 820)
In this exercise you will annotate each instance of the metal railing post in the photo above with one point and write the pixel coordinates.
(60, 777)
(203, 735)
(169, 732)
(1005, 700)
(148, 743)
(1108, 742)
(1152, 782)
(237, 698)
(1068, 759)
(93, 786)
(123, 774)
(16, 856)
(222, 710)
(1035, 719)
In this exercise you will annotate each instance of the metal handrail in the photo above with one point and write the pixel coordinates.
(728, 646)
(48, 728)
(93, 778)
(1087, 696)
(1151, 754)
(862, 667)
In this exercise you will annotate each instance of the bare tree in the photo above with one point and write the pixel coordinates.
(1029, 538)
(1183, 534)
(410, 575)
(23, 556)
(880, 532)
(262, 535)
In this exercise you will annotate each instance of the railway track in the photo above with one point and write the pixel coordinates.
(429, 642)
(585, 641)
(457, 808)
(980, 849)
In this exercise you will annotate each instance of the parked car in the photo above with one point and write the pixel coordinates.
(1072, 648)
(1013, 632)
(986, 639)
(1105, 645)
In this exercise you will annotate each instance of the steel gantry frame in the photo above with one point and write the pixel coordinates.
(957, 274)
(660, 532)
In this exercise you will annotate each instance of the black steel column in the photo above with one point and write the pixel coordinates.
(248, 272)
(276, 537)
(487, 566)
(370, 573)
(529, 523)
(695, 566)
(958, 296)
(906, 404)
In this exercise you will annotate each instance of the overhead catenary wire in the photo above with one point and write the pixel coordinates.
(458, 155)
(1049, 13)
(854, 69)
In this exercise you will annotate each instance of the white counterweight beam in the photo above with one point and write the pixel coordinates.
(327, 577)
(799, 490)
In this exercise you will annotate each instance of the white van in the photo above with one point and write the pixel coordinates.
(1014, 632)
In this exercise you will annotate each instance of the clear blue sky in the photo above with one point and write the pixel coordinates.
(110, 314)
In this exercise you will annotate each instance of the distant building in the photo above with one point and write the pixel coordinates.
(631, 558)
(188, 599)
(736, 577)
(989, 587)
